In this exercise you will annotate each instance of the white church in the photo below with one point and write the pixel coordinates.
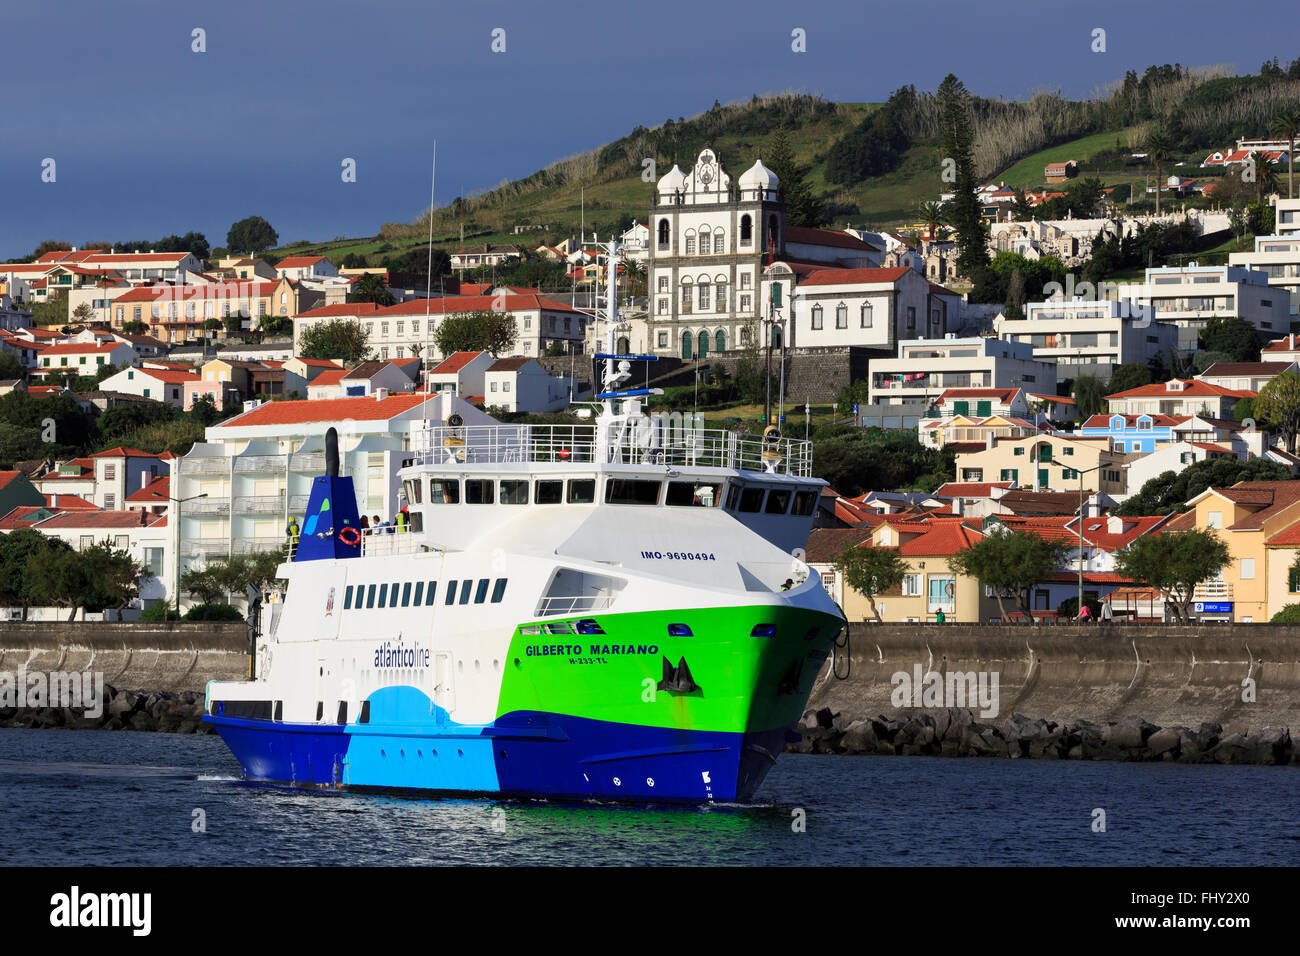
(717, 249)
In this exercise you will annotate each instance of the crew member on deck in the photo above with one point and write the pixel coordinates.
(291, 530)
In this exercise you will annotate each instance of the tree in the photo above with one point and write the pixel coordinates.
(204, 410)
(957, 131)
(801, 206)
(1170, 491)
(233, 323)
(83, 313)
(1130, 375)
(1286, 125)
(1231, 335)
(10, 367)
(1159, 148)
(871, 571)
(24, 555)
(1173, 563)
(1010, 563)
(1089, 394)
(489, 331)
(372, 288)
(97, 577)
(1279, 402)
(206, 584)
(135, 327)
(251, 235)
(340, 339)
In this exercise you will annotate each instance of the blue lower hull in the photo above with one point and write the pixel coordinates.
(524, 754)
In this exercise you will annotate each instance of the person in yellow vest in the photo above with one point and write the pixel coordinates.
(400, 521)
(292, 531)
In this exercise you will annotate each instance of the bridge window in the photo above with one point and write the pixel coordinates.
(433, 589)
(689, 493)
(498, 590)
(630, 491)
(451, 592)
(465, 588)
(419, 593)
(805, 503)
(778, 502)
(406, 594)
(680, 630)
(514, 491)
(751, 500)
(444, 491)
(383, 595)
(347, 598)
(549, 492)
(370, 597)
(479, 491)
(480, 593)
(582, 491)
(588, 626)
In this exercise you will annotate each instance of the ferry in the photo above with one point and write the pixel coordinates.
(613, 611)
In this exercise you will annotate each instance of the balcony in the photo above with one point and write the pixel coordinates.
(260, 504)
(204, 547)
(312, 463)
(206, 506)
(262, 464)
(257, 545)
(1212, 591)
(204, 466)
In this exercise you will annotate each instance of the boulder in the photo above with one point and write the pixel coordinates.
(1165, 743)
(859, 738)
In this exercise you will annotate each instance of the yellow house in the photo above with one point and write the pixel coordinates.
(1255, 520)
(1047, 462)
(930, 585)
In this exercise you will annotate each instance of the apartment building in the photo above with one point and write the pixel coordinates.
(1278, 257)
(1245, 376)
(1092, 337)
(926, 368)
(1189, 296)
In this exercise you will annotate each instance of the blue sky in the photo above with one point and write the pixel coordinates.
(150, 138)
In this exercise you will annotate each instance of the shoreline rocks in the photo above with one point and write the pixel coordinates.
(958, 732)
(147, 711)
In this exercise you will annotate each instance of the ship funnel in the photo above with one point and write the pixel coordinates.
(332, 453)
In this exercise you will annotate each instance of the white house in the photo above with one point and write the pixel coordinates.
(297, 268)
(143, 536)
(1189, 296)
(461, 373)
(83, 358)
(1278, 257)
(160, 384)
(524, 385)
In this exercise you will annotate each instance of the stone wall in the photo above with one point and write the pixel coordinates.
(813, 375)
(173, 657)
(1169, 675)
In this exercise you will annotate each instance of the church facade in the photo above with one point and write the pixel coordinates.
(708, 239)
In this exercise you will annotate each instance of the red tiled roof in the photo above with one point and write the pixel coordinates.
(805, 235)
(298, 262)
(1102, 419)
(943, 537)
(234, 289)
(1286, 538)
(1205, 447)
(1192, 387)
(508, 364)
(825, 276)
(358, 408)
(1244, 368)
(22, 517)
(123, 452)
(154, 492)
(827, 544)
(8, 476)
(331, 376)
(318, 362)
(100, 519)
(170, 376)
(65, 502)
(455, 362)
(1001, 394)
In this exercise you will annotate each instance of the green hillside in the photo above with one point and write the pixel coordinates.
(1198, 111)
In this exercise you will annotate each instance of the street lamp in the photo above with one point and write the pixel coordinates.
(177, 557)
(1081, 472)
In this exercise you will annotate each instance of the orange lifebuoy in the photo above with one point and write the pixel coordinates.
(350, 536)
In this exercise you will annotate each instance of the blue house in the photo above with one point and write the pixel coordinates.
(1132, 433)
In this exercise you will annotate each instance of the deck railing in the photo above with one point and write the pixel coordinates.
(650, 440)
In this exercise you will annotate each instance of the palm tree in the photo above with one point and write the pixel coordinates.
(1286, 125)
(933, 214)
(1159, 149)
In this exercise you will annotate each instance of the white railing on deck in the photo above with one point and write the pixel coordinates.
(574, 604)
(646, 441)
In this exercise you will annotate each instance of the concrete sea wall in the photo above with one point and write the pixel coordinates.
(172, 657)
(1229, 693)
